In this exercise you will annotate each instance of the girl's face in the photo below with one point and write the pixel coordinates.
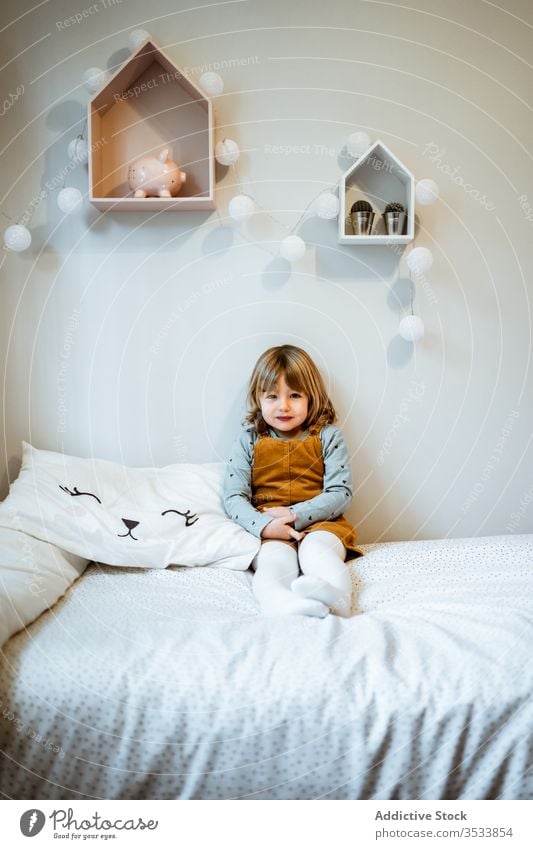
(284, 409)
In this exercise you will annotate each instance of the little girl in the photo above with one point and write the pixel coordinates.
(287, 481)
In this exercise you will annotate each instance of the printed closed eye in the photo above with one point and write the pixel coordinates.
(76, 491)
(190, 518)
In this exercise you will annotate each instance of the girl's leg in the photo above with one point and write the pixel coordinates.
(325, 576)
(276, 566)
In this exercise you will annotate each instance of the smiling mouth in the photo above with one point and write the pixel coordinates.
(129, 534)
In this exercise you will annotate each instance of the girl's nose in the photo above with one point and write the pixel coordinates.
(283, 404)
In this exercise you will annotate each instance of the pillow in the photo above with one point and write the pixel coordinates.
(120, 516)
(33, 575)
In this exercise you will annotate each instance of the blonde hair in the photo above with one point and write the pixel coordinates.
(300, 373)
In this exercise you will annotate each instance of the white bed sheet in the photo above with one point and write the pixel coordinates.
(168, 684)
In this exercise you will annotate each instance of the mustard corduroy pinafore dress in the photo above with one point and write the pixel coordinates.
(288, 471)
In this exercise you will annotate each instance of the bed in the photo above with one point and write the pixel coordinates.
(168, 684)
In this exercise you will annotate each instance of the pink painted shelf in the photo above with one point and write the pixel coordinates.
(147, 105)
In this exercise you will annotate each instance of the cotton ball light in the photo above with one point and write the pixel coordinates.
(78, 151)
(241, 207)
(17, 238)
(427, 192)
(211, 83)
(69, 199)
(136, 38)
(227, 152)
(327, 205)
(411, 328)
(292, 248)
(94, 79)
(419, 260)
(357, 144)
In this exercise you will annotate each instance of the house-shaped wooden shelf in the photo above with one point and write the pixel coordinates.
(146, 106)
(379, 177)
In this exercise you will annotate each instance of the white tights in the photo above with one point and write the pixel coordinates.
(324, 586)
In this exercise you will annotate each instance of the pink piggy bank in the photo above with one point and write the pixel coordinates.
(155, 176)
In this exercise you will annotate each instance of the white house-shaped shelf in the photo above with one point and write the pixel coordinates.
(146, 106)
(378, 177)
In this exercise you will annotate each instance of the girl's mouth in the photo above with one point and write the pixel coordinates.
(284, 418)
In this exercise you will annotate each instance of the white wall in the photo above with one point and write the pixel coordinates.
(132, 339)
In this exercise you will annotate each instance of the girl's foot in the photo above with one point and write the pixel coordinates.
(309, 587)
(297, 606)
(308, 607)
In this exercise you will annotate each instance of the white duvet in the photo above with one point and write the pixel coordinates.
(33, 575)
(168, 684)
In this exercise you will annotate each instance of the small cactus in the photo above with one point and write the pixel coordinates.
(361, 206)
(394, 207)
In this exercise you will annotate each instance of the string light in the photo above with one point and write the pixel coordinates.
(212, 84)
(136, 38)
(292, 248)
(69, 199)
(411, 328)
(78, 148)
(327, 205)
(94, 79)
(419, 260)
(78, 151)
(17, 238)
(426, 191)
(357, 144)
(241, 207)
(227, 152)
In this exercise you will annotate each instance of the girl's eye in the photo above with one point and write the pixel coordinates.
(270, 397)
(296, 395)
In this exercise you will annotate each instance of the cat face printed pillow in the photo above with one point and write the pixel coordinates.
(120, 516)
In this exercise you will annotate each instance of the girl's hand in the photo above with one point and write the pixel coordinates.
(280, 529)
(280, 513)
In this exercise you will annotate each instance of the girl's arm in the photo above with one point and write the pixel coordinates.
(337, 492)
(238, 487)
